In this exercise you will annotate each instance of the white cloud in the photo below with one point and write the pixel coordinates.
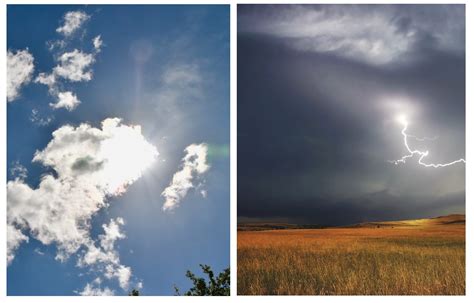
(67, 100)
(39, 252)
(112, 233)
(91, 164)
(104, 258)
(374, 34)
(47, 79)
(91, 290)
(14, 239)
(18, 171)
(72, 22)
(20, 67)
(74, 66)
(121, 272)
(193, 165)
(37, 119)
(97, 41)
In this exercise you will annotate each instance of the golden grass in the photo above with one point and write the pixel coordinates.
(412, 259)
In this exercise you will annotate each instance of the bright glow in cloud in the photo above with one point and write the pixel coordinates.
(20, 67)
(422, 154)
(90, 164)
(193, 165)
(72, 22)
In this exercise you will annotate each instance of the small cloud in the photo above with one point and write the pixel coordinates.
(67, 100)
(18, 171)
(104, 258)
(90, 290)
(194, 164)
(20, 67)
(74, 66)
(97, 41)
(14, 239)
(39, 252)
(72, 22)
(38, 120)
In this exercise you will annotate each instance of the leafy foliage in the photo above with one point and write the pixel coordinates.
(215, 286)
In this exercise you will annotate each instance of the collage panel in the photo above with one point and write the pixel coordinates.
(351, 149)
(118, 165)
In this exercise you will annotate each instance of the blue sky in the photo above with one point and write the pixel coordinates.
(165, 68)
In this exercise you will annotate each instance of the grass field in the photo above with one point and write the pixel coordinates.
(417, 257)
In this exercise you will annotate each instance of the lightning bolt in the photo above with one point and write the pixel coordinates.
(413, 152)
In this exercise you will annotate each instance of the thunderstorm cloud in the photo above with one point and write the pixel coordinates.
(319, 91)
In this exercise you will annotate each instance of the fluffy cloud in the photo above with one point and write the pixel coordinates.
(14, 239)
(67, 100)
(193, 165)
(112, 233)
(90, 165)
(72, 22)
(374, 34)
(104, 258)
(74, 66)
(47, 79)
(91, 290)
(20, 67)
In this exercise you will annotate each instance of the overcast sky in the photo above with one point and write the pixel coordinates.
(321, 93)
(118, 136)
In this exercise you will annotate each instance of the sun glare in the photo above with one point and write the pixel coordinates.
(126, 156)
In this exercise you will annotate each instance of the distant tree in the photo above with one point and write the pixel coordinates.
(219, 286)
(134, 292)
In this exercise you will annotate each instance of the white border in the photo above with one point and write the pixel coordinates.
(233, 162)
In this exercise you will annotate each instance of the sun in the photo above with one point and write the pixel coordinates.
(126, 155)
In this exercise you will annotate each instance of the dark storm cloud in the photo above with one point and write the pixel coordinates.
(316, 128)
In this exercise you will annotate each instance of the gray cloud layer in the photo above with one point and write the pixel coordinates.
(376, 34)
